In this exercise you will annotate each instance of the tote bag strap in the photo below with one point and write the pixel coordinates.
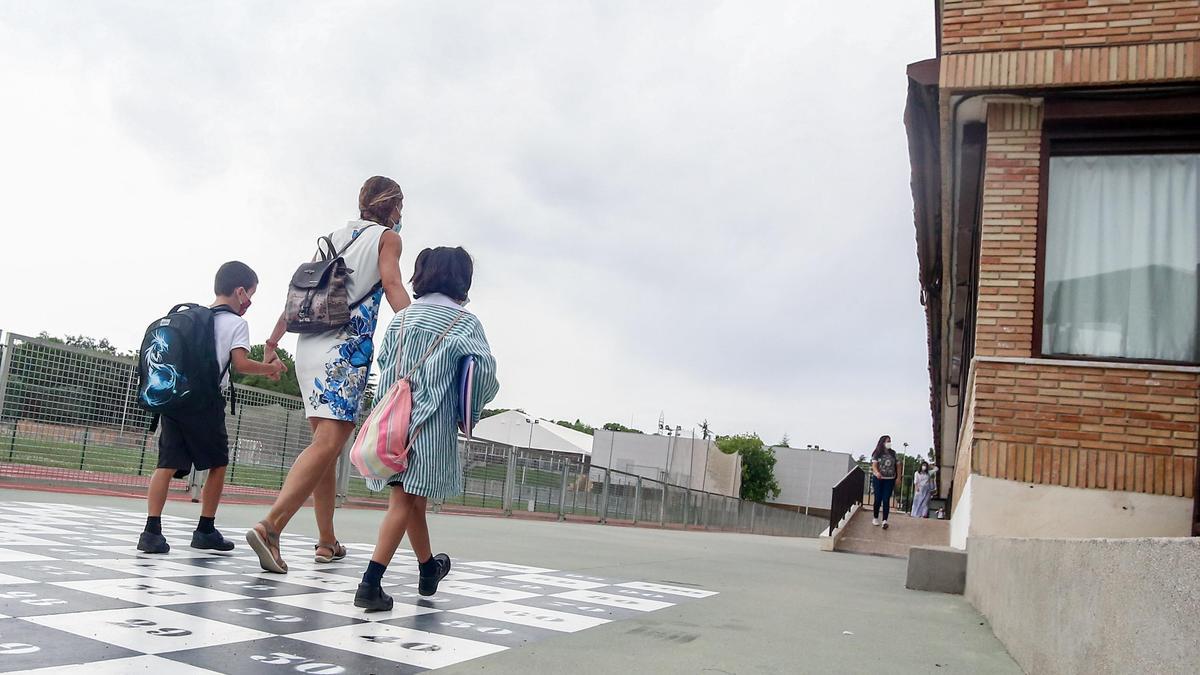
(432, 346)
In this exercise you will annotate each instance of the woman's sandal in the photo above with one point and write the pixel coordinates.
(265, 545)
(336, 552)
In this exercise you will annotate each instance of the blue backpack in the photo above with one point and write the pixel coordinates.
(177, 365)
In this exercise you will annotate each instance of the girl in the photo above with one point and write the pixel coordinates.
(426, 343)
(332, 370)
(923, 489)
(883, 477)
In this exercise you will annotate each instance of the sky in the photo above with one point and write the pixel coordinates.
(698, 209)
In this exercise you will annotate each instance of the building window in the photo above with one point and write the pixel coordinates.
(1122, 257)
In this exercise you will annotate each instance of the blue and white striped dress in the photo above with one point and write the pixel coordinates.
(433, 466)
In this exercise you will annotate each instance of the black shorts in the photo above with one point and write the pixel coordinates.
(194, 439)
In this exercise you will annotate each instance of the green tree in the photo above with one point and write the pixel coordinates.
(287, 383)
(488, 412)
(577, 426)
(783, 442)
(758, 465)
(616, 426)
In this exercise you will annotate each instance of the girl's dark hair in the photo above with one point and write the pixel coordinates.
(879, 447)
(232, 276)
(378, 198)
(443, 270)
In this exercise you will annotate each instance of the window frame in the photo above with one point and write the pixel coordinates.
(1107, 126)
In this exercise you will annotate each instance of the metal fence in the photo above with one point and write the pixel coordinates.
(70, 416)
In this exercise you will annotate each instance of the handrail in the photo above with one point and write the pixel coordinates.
(847, 493)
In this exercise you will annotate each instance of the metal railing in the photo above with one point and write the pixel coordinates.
(848, 492)
(70, 415)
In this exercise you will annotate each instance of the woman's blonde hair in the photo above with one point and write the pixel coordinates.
(377, 199)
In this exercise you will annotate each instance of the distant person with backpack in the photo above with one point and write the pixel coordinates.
(183, 367)
(333, 303)
(883, 478)
(425, 346)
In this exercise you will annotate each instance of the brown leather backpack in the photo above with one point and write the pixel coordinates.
(317, 300)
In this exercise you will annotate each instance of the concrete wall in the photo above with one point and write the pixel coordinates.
(793, 468)
(1090, 605)
(1005, 508)
(696, 463)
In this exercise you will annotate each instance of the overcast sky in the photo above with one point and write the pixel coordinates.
(700, 208)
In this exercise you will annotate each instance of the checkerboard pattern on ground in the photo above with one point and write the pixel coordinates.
(76, 597)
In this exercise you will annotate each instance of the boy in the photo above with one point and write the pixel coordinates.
(198, 438)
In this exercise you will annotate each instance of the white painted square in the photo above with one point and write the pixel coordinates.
(176, 552)
(543, 580)
(480, 592)
(510, 568)
(136, 664)
(150, 591)
(9, 555)
(403, 645)
(613, 600)
(329, 582)
(153, 567)
(670, 590)
(533, 616)
(31, 528)
(342, 604)
(150, 630)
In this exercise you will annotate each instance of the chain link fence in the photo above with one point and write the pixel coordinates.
(70, 416)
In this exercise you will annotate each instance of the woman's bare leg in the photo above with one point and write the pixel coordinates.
(309, 469)
(324, 503)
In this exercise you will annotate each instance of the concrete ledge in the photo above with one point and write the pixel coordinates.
(829, 541)
(938, 569)
(1090, 605)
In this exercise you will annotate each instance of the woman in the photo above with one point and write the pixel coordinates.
(332, 370)
(923, 489)
(426, 343)
(883, 477)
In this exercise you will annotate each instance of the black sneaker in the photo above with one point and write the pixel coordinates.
(211, 541)
(428, 585)
(153, 543)
(372, 598)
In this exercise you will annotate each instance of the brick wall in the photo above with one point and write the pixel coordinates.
(1115, 428)
(991, 25)
(1008, 248)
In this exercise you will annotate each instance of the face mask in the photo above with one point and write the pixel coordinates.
(243, 306)
(396, 227)
(888, 445)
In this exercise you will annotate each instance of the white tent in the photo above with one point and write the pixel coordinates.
(526, 431)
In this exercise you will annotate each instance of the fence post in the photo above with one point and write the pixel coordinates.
(342, 493)
(5, 365)
(237, 436)
(12, 442)
(562, 494)
(637, 500)
(687, 502)
(510, 480)
(662, 511)
(83, 451)
(604, 496)
(753, 513)
(142, 459)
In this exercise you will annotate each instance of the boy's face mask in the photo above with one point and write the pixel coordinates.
(243, 305)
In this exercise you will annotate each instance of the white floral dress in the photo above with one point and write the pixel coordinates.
(332, 367)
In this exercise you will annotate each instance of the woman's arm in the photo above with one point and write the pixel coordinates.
(273, 341)
(875, 469)
(390, 247)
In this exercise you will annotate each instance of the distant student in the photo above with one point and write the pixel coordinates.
(883, 476)
(184, 367)
(426, 343)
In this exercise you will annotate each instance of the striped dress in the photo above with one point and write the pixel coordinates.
(433, 466)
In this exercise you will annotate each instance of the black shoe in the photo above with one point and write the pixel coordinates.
(212, 541)
(372, 599)
(427, 585)
(153, 543)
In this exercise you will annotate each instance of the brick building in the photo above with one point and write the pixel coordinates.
(1055, 151)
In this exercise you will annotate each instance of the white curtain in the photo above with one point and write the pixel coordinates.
(1122, 256)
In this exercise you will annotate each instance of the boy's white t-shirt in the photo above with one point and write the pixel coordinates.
(232, 333)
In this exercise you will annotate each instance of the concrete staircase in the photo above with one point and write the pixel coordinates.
(903, 532)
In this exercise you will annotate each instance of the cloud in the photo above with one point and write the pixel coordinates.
(699, 208)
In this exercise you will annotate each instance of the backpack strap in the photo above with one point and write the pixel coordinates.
(428, 352)
(224, 371)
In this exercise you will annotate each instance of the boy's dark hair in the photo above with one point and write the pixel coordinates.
(443, 270)
(232, 276)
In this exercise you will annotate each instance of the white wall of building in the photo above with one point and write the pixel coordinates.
(694, 462)
(806, 477)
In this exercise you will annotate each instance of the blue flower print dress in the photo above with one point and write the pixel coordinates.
(332, 367)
